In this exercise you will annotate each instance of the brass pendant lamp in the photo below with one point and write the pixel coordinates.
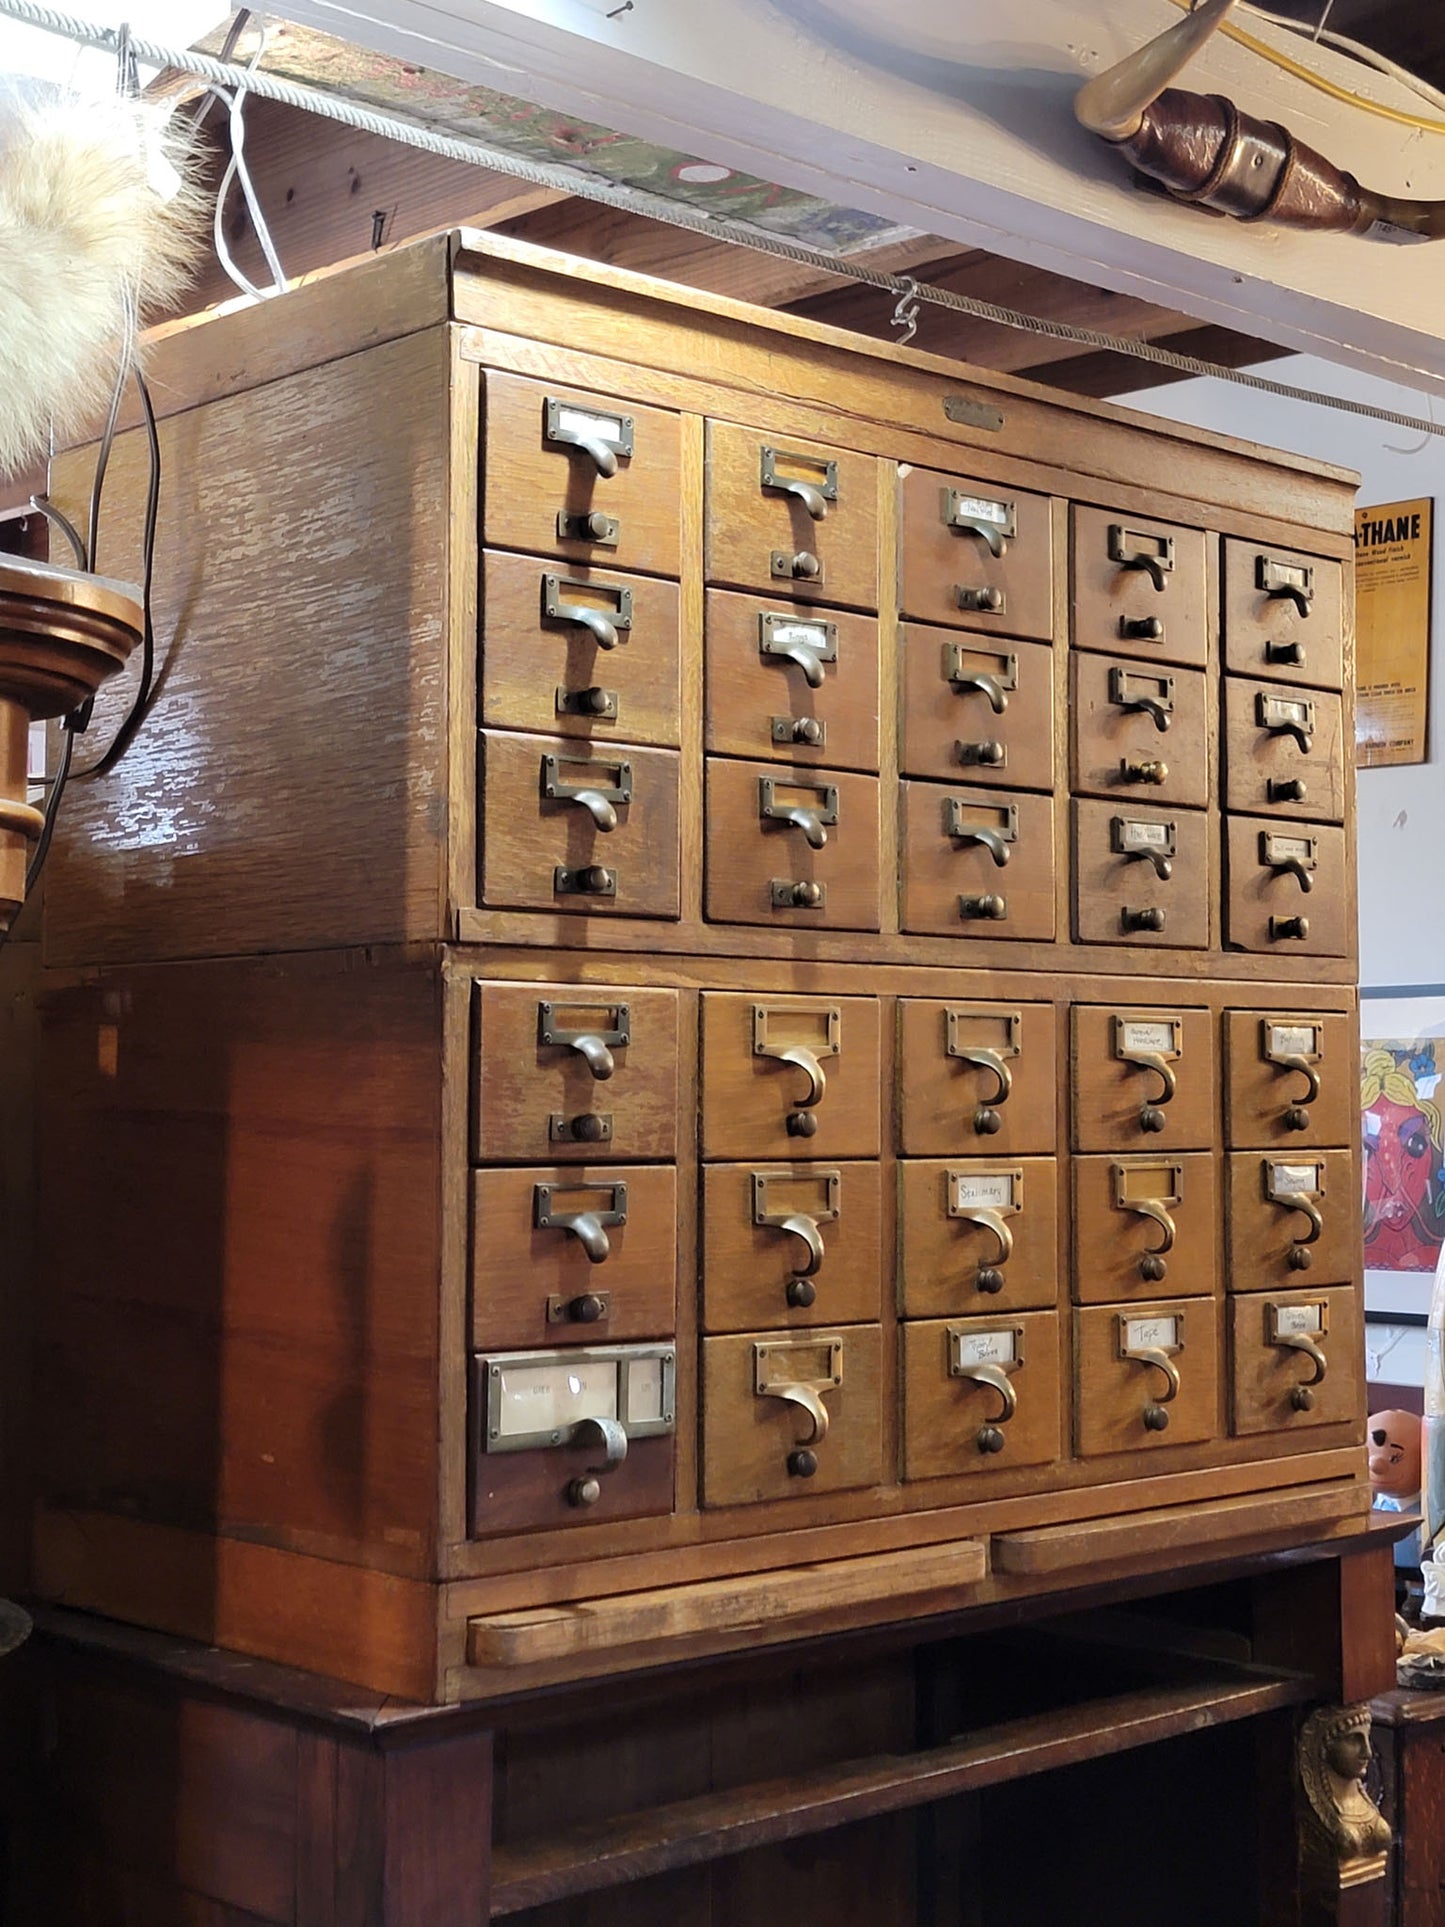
(62, 634)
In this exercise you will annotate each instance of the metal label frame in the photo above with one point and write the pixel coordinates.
(491, 1365)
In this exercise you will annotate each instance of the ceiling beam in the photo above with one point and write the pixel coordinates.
(653, 247)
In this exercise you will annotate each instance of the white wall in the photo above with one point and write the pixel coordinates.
(1402, 810)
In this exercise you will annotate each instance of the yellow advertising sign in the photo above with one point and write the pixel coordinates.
(1393, 547)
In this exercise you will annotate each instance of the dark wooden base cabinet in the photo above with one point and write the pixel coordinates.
(1117, 1747)
(1409, 1731)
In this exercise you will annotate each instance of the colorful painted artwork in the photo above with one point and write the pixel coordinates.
(1404, 1143)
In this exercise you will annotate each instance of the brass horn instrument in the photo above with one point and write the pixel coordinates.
(1203, 150)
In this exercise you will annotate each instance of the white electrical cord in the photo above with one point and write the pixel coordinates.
(1356, 49)
(630, 200)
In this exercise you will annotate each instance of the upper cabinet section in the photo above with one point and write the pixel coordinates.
(591, 478)
(791, 517)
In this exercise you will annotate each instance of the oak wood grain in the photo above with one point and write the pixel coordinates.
(940, 555)
(749, 692)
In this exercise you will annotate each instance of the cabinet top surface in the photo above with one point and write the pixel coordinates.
(501, 287)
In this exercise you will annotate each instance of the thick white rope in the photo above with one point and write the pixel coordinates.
(630, 200)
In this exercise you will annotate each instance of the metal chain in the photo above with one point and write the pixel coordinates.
(630, 200)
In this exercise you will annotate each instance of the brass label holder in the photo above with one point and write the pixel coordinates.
(994, 523)
(602, 436)
(791, 1217)
(789, 1049)
(608, 626)
(800, 1371)
(588, 1225)
(963, 676)
(1154, 1342)
(804, 640)
(815, 488)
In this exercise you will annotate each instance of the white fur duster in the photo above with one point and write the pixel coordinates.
(97, 229)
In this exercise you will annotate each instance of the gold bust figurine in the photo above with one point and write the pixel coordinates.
(1348, 1829)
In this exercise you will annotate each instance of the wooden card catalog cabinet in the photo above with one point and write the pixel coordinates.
(782, 985)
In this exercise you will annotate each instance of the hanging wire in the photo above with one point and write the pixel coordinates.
(572, 181)
(905, 315)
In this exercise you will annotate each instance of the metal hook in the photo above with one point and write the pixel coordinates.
(905, 313)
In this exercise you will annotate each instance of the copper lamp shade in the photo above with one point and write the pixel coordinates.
(62, 634)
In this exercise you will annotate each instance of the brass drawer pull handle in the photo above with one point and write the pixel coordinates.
(592, 880)
(1292, 580)
(1154, 554)
(605, 626)
(997, 838)
(1152, 695)
(1141, 629)
(1286, 790)
(612, 1437)
(598, 799)
(1286, 927)
(815, 496)
(994, 523)
(990, 1221)
(1162, 1362)
(775, 1375)
(1289, 655)
(1301, 1342)
(1289, 856)
(799, 729)
(1298, 1201)
(1286, 716)
(797, 893)
(1001, 1383)
(987, 1060)
(803, 1059)
(601, 436)
(803, 1225)
(1144, 842)
(595, 1047)
(812, 822)
(809, 642)
(589, 1228)
(996, 685)
(1287, 1061)
(1152, 1209)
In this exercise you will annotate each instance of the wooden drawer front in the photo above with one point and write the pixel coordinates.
(784, 514)
(537, 1461)
(796, 848)
(1283, 615)
(544, 492)
(980, 1394)
(1144, 1077)
(579, 651)
(579, 828)
(1127, 1398)
(1273, 1243)
(790, 1244)
(792, 683)
(977, 863)
(1140, 735)
(562, 1256)
(1122, 894)
(1145, 1224)
(1291, 1079)
(1284, 750)
(977, 712)
(789, 1415)
(1139, 588)
(1266, 906)
(1297, 1360)
(976, 1079)
(976, 554)
(570, 1073)
(786, 1077)
(977, 1235)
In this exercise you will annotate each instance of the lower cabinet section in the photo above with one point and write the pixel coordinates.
(572, 1437)
(1146, 1375)
(980, 1394)
(787, 1415)
(1297, 1357)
